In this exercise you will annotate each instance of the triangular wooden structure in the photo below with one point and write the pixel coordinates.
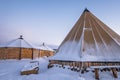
(89, 40)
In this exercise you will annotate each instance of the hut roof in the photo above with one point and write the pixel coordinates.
(20, 42)
(45, 47)
(89, 40)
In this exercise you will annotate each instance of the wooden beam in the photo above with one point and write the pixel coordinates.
(39, 53)
(114, 72)
(20, 53)
(96, 74)
(32, 53)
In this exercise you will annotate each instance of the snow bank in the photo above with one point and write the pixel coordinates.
(10, 70)
(30, 66)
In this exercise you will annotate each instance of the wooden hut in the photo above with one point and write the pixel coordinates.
(45, 50)
(89, 43)
(18, 49)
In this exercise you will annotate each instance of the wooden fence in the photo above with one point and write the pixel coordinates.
(23, 53)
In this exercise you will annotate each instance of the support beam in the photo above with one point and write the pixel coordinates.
(32, 54)
(96, 74)
(39, 53)
(114, 72)
(20, 53)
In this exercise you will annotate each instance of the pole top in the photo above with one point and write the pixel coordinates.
(86, 10)
(21, 37)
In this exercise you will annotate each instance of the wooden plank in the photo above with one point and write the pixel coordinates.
(32, 53)
(96, 74)
(114, 72)
(32, 68)
(50, 65)
(20, 53)
(102, 67)
(34, 71)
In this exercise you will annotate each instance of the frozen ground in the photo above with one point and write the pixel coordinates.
(10, 70)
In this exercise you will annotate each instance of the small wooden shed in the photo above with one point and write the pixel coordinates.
(45, 50)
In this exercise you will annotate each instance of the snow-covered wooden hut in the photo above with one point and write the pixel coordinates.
(45, 50)
(18, 49)
(90, 42)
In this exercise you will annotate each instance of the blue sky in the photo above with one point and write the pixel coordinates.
(50, 21)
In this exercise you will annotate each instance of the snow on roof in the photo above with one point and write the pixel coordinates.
(2, 44)
(45, 47)
(20, 42)
(72, 52)
(53, 46)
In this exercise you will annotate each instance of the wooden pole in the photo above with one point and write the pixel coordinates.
(20, 53)
(38, 53)
(96, 74)
(114, 73)
(20, 47)
(32, 53)
(5, 53)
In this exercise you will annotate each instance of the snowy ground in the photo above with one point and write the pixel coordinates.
(10, 70)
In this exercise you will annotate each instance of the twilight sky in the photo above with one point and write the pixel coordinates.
(50, 21)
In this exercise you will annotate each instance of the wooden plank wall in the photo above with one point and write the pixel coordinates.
(45, 53)
(26, 53)
(13, 53)
(35, 53)
(2, 53)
